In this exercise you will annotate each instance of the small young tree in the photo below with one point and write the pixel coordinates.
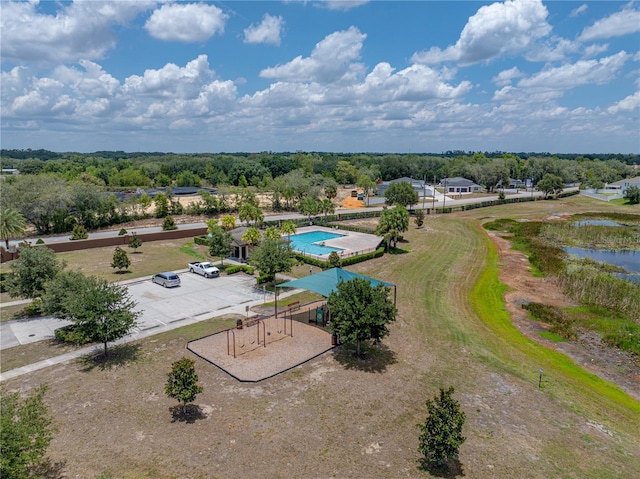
(419, 218)
(79, 233)
(288, 228)
(252, 237)
(120, 259)
(182, 382)
(169, 224)
(360, 312)
(219, 242)
(441, 434)
(272, 233)
(162, 205)
(25, 433)
(334, 259)
(135, 242)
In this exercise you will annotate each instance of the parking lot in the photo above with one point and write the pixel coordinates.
(195, 299)
(161, 308)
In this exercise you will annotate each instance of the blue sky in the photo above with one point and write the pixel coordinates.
(372, 76)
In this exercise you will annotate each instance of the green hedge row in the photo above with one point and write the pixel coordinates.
(344, 262)
(201, 240)
(237, 268)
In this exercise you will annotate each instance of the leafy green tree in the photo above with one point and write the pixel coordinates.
(134, 242)
(334, 260)
(345, 172)
(120, 259)
(31, 270)
(26, 431)
(163, 180)
(360, 312)
(219, 242)
(248, 212)
(632, 194)
(330, 188)
(550, 184)
(419, 218)
(401, 194)
(79, 233)
(99, 310)
(367, 185)
(12, 224)
(272, 256)
(182, 382)
(242, 182)
(162, 205)
(145, 202)
(441, 434)
(169, 224)
(393, 222)
(187, 178)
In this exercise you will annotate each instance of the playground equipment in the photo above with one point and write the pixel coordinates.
(257, 333)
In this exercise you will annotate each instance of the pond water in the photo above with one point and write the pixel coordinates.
(595, 223)
(629, 260)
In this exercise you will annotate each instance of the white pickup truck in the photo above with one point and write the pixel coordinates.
(205, 269)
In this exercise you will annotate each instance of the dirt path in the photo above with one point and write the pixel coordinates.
(588, 351)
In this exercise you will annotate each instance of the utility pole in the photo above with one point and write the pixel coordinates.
(433, 203)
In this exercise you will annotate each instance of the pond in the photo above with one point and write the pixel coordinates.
(596, 223)
(629, 260)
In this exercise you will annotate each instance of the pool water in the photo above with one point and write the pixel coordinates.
(309, 242)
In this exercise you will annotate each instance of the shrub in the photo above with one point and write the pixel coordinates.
(122, 232)
(34, 308)
(79, 233)
(169, 224)
(40, 241)
(71, 334)
(201, 240)
(264, 278)
(238, 268)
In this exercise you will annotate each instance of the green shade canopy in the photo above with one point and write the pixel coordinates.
(327, 281)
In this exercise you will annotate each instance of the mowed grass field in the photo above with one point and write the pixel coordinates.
(336, 417)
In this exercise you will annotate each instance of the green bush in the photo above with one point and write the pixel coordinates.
(201, 240)
(122, 232)
(71, 334)
(169, 224)
(40, 241)
(3, 277)
(237, 268)
(559, 322)
(264, 278)
(79, 233)
(34, 308)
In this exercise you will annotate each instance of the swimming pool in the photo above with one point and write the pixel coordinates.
(310, 242)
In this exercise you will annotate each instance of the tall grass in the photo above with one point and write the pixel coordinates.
(591, 236)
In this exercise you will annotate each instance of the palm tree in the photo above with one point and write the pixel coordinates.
(288, 228)
(12, 224)
(228, 222)
(252, 237)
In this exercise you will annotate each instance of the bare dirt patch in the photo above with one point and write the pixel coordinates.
(588, 351)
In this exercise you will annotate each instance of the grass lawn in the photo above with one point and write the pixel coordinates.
(340, 417)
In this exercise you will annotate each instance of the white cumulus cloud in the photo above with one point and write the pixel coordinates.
(331, 60)
(186, 22)
(77, 30)
(340, 4)
(495, 30)
(267, 31)
(621, 23)
(630, 103)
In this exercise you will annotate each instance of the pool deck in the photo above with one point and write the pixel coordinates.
(352, 243)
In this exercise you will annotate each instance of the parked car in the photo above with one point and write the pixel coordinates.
(205, 269)
(167, 279)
